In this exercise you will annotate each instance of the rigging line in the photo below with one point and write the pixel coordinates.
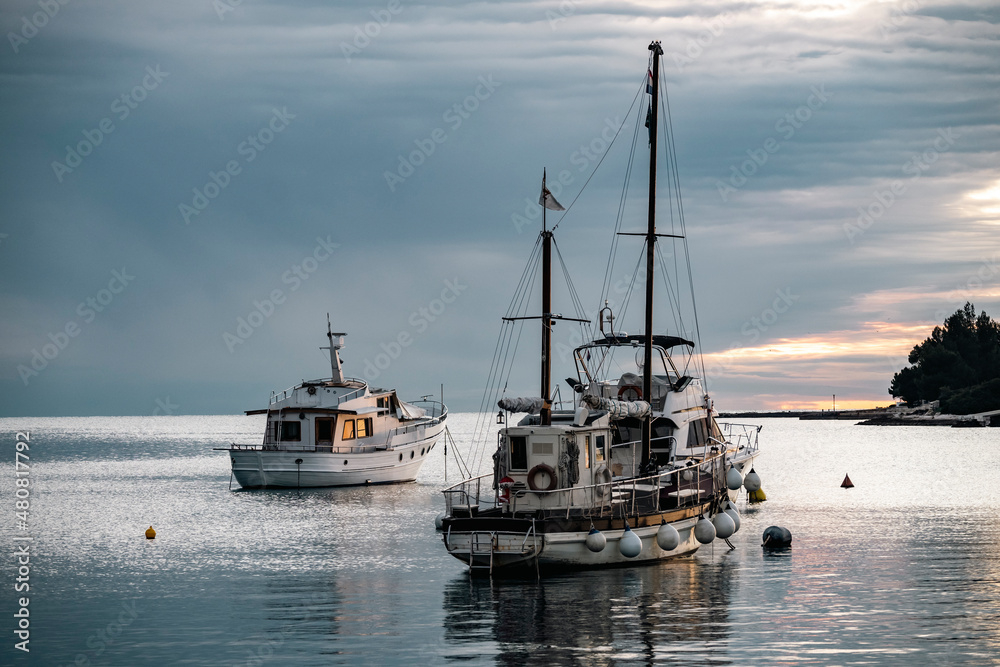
(598, 166)
(573, 295)
(496, 367)
(672, 299)
(507, 354)
(673, 173)
(683, 225)
(620, 216)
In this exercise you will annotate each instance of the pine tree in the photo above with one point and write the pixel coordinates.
(959, 364)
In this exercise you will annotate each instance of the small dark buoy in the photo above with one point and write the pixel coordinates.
(776, 537)
(150, 533)
(847, 484)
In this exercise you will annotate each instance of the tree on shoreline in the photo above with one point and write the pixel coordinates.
(959, 365)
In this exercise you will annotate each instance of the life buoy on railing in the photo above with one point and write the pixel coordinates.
(630, 387)
(540, 468)
(504, 489)
(602, 475)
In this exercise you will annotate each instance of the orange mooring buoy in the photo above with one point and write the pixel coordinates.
(848, 484)
(150, 533)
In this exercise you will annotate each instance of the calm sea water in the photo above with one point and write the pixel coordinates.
(902, 569)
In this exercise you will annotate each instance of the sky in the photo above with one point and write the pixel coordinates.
(190, 187)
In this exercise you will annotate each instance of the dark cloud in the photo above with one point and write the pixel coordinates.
(482, 96)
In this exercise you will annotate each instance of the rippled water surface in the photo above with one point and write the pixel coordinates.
(902, 569)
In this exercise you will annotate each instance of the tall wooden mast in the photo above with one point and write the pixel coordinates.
(647, 369)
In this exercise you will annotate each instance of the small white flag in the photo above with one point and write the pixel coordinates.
(547, 200)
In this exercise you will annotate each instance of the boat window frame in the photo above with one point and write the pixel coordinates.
(285, 435)
(521, 443)
(354, 432)
(333, 429)
(364, 424)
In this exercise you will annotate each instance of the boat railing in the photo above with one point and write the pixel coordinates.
(437, 413)
(277, 397)
(742, 437)
(434, 409)
(690, 486)
(323, 449)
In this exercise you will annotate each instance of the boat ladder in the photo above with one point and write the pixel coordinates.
(481, 543)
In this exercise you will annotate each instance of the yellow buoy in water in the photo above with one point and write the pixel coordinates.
(757, 496)
(150, 533)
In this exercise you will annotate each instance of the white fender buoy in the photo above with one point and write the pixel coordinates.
(704, 531)
(752, 481)
(688, 475)
(734, 514)
(596, 540)
(667, 537)
(439, 521)
(734, 479)
(629, 545)
(724, 525)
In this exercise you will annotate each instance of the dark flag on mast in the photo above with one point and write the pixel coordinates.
(546, 200)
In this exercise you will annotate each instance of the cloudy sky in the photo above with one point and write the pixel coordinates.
(189, 187)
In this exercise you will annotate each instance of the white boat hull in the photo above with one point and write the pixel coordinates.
(256, 468)
(562, 550)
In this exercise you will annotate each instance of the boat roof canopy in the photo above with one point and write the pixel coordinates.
(660, 340)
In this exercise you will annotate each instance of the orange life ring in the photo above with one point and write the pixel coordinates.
(547, 469)
(636, 389)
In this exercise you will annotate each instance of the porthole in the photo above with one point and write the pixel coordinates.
(345, 462)
(400, 457)
(421, 451)
(411, 455)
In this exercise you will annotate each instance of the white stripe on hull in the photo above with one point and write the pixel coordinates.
(569, 549)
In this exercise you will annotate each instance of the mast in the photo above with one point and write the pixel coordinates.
(545, 416)
(647, 369)
(336, 372)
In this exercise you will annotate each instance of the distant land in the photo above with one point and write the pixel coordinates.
(925, 415)
(953, 380)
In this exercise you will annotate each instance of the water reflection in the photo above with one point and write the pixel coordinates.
(668, 612)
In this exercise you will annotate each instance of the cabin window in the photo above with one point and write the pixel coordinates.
(586, 451)
(599, 453)
(348, 433)
(541, 449)
(518, 453)
(383, 402)
(697, 433)
(324, 430)
(364, 427)
(291, 431)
